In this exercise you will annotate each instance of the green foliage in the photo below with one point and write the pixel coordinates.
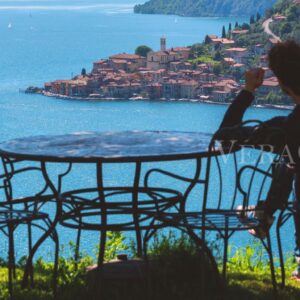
(246, 26)
(204, 7)
(204, 59)
(249, 259)
(253, 38)
(115, 243)
(223, 32)
(218, 56)
(258, 17)
(200, 49)
(217, 69)
(289, 28)
(176, 272)
(142, 50)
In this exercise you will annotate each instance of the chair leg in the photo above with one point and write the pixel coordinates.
(32, 253)
(56, 261)
(225, 257)
(270, 252)
(281, 259)
(12, 247)
(77, 248)
(29, 249)
(10, 269)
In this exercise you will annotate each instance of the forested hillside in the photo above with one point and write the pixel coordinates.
(205, 7)
(290, 27)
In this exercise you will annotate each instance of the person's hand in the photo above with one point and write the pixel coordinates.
(254, 79)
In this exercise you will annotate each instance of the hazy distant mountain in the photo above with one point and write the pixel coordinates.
(205, 7)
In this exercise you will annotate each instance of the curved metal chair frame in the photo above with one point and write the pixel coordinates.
(26, 211)
(284, 215)
(225, 221)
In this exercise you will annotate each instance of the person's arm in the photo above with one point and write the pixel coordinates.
(230, 129)
(236, 110)
(234, 115)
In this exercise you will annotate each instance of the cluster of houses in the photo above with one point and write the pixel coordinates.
(166, 74)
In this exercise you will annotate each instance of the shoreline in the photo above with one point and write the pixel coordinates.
(263, 106)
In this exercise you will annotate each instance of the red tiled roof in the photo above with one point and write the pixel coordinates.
(228, 59)
(223, 41)
(239, 31)
(119, 61)
(181, 49)
(238, 65)
(272, 81)
(279, 17)
(236, 49)
(101, 61)
(274, 41)
(125, 56)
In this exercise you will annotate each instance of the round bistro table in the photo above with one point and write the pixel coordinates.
(99, 148)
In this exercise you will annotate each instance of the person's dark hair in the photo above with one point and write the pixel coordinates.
(284, 61)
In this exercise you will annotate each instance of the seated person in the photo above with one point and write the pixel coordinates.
(284, 61)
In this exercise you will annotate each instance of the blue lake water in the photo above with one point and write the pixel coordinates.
(46, 40)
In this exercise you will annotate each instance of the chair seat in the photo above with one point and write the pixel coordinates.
(12, 216)
(211, 220)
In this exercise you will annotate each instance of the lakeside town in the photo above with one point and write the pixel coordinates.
(176, 73)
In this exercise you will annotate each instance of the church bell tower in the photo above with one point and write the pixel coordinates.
(163, 43)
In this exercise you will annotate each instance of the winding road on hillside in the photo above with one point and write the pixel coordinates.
(267, 29)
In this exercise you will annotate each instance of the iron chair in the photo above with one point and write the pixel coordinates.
(247, 183)
(284, 216)
(25, 211)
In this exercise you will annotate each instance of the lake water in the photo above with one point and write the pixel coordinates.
(50, 39)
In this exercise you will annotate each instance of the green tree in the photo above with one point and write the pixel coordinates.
(269, 13)
(296, 35)
(142, 50)
(206, 40)
(252, 20)
(83, 72)
(229, 31)
(217, 68)
(223, 32)
(258, 17)
(246, 26)
(236, 25)
(199, 49)
(218, 56)
(286, 28)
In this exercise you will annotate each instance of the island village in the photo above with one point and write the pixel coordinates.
(169, 74)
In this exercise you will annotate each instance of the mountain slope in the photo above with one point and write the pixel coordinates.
(205, 7)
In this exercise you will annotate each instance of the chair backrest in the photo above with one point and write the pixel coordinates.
(241, 166)
(16, 178)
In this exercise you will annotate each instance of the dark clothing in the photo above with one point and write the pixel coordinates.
(290, 138)
(289, 125)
